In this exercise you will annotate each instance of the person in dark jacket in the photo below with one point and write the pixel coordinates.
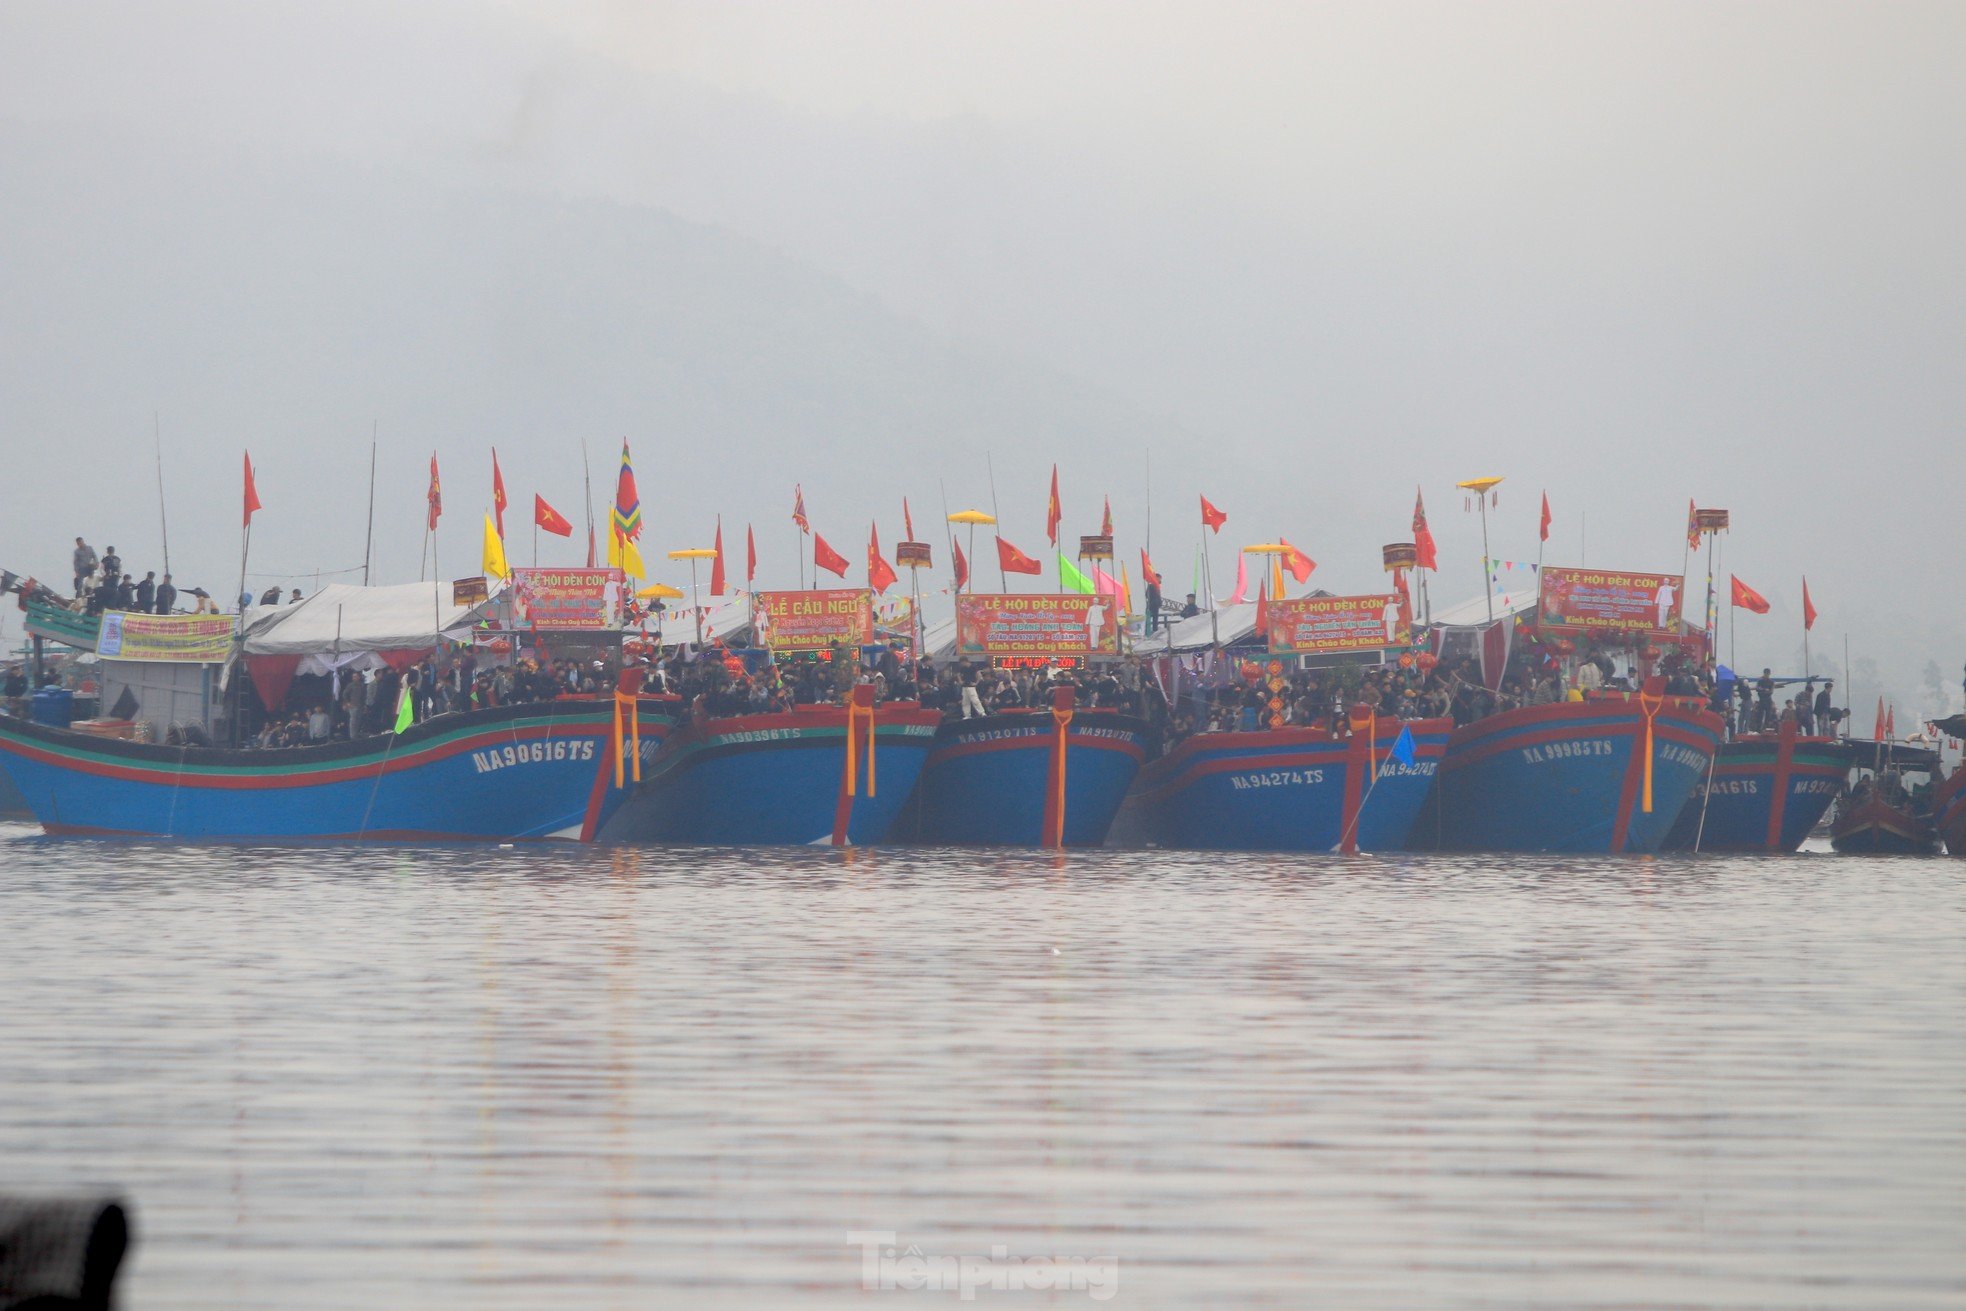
(166, 596)
(146, 593)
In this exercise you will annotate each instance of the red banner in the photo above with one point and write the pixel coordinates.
(1035, 624)
(1327, 625)
(813, 621)
(1600, 601)
(567, 598)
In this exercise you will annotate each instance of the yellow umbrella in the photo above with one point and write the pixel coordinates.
(693, 554)
(1479, 484)
(1267, 548)
(972, 518)
(660, 592)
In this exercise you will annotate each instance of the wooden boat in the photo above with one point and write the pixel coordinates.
(812, 775)
(1767, 791)
(1042, 777)
(510, 773)
(1295, 788)
(1571, 776)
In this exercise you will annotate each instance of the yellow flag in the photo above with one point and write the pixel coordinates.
(494, 562)
(625, 556)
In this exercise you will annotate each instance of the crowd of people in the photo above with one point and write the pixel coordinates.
(102, 583)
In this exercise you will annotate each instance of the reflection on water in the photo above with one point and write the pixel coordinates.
(576, 1077)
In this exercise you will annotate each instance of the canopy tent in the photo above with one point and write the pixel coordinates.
(1235, 624)
(348, 627)
(1474, 613)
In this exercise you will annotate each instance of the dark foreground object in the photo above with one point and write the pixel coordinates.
(60, 1252)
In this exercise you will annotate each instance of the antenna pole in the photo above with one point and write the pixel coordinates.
(368, 541)
(1003, 579)
(163, 520)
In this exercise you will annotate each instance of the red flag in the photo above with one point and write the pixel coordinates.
(1015, 561)
(1891, 723)
(1299, 564)
(750, 556)
(1147, 570)
(1263, 608)
(1405, 600)
(252, 492)
(1106, 519)
(1692, 526)
(1747, 598)
(1808, 607)
(1052, 512)
(1877, 734)
(498, 494)
(962, 564)
(435, 496)
(799, 509)
(1544, 530)
(907, 522)
(548, 518)
(717, 565)
(880, 574)
(825, 557)
(1212, 517)
(1423, 538)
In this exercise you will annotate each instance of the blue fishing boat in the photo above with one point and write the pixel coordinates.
(1768, 792)
(512, 773)
(1044, 777)
(1296, 788)
(1609, 773)
(834, 775)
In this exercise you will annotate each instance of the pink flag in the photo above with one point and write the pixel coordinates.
(1242, 579)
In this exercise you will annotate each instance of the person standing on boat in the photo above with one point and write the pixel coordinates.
(1764, 701)
(166, 597)
(85, 563)
(112, 571)
(146, 593)
(1189, 610)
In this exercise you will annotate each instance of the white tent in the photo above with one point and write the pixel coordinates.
(345, 626)
(1233, 622)
(1474, 613)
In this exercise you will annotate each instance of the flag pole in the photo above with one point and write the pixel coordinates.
(1208, 584)
(1003, 580)
(1487, 581)
(163, 519)
(949, 535)
(587, 480)
(368, 539)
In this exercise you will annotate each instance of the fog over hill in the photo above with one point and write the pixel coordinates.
(1310, 257)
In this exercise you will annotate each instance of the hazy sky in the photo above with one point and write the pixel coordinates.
(1313, 254)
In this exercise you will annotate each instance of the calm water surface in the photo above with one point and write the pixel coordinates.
(518, 1079)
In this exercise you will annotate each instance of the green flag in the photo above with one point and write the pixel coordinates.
(1070, 579)
(405, 710)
